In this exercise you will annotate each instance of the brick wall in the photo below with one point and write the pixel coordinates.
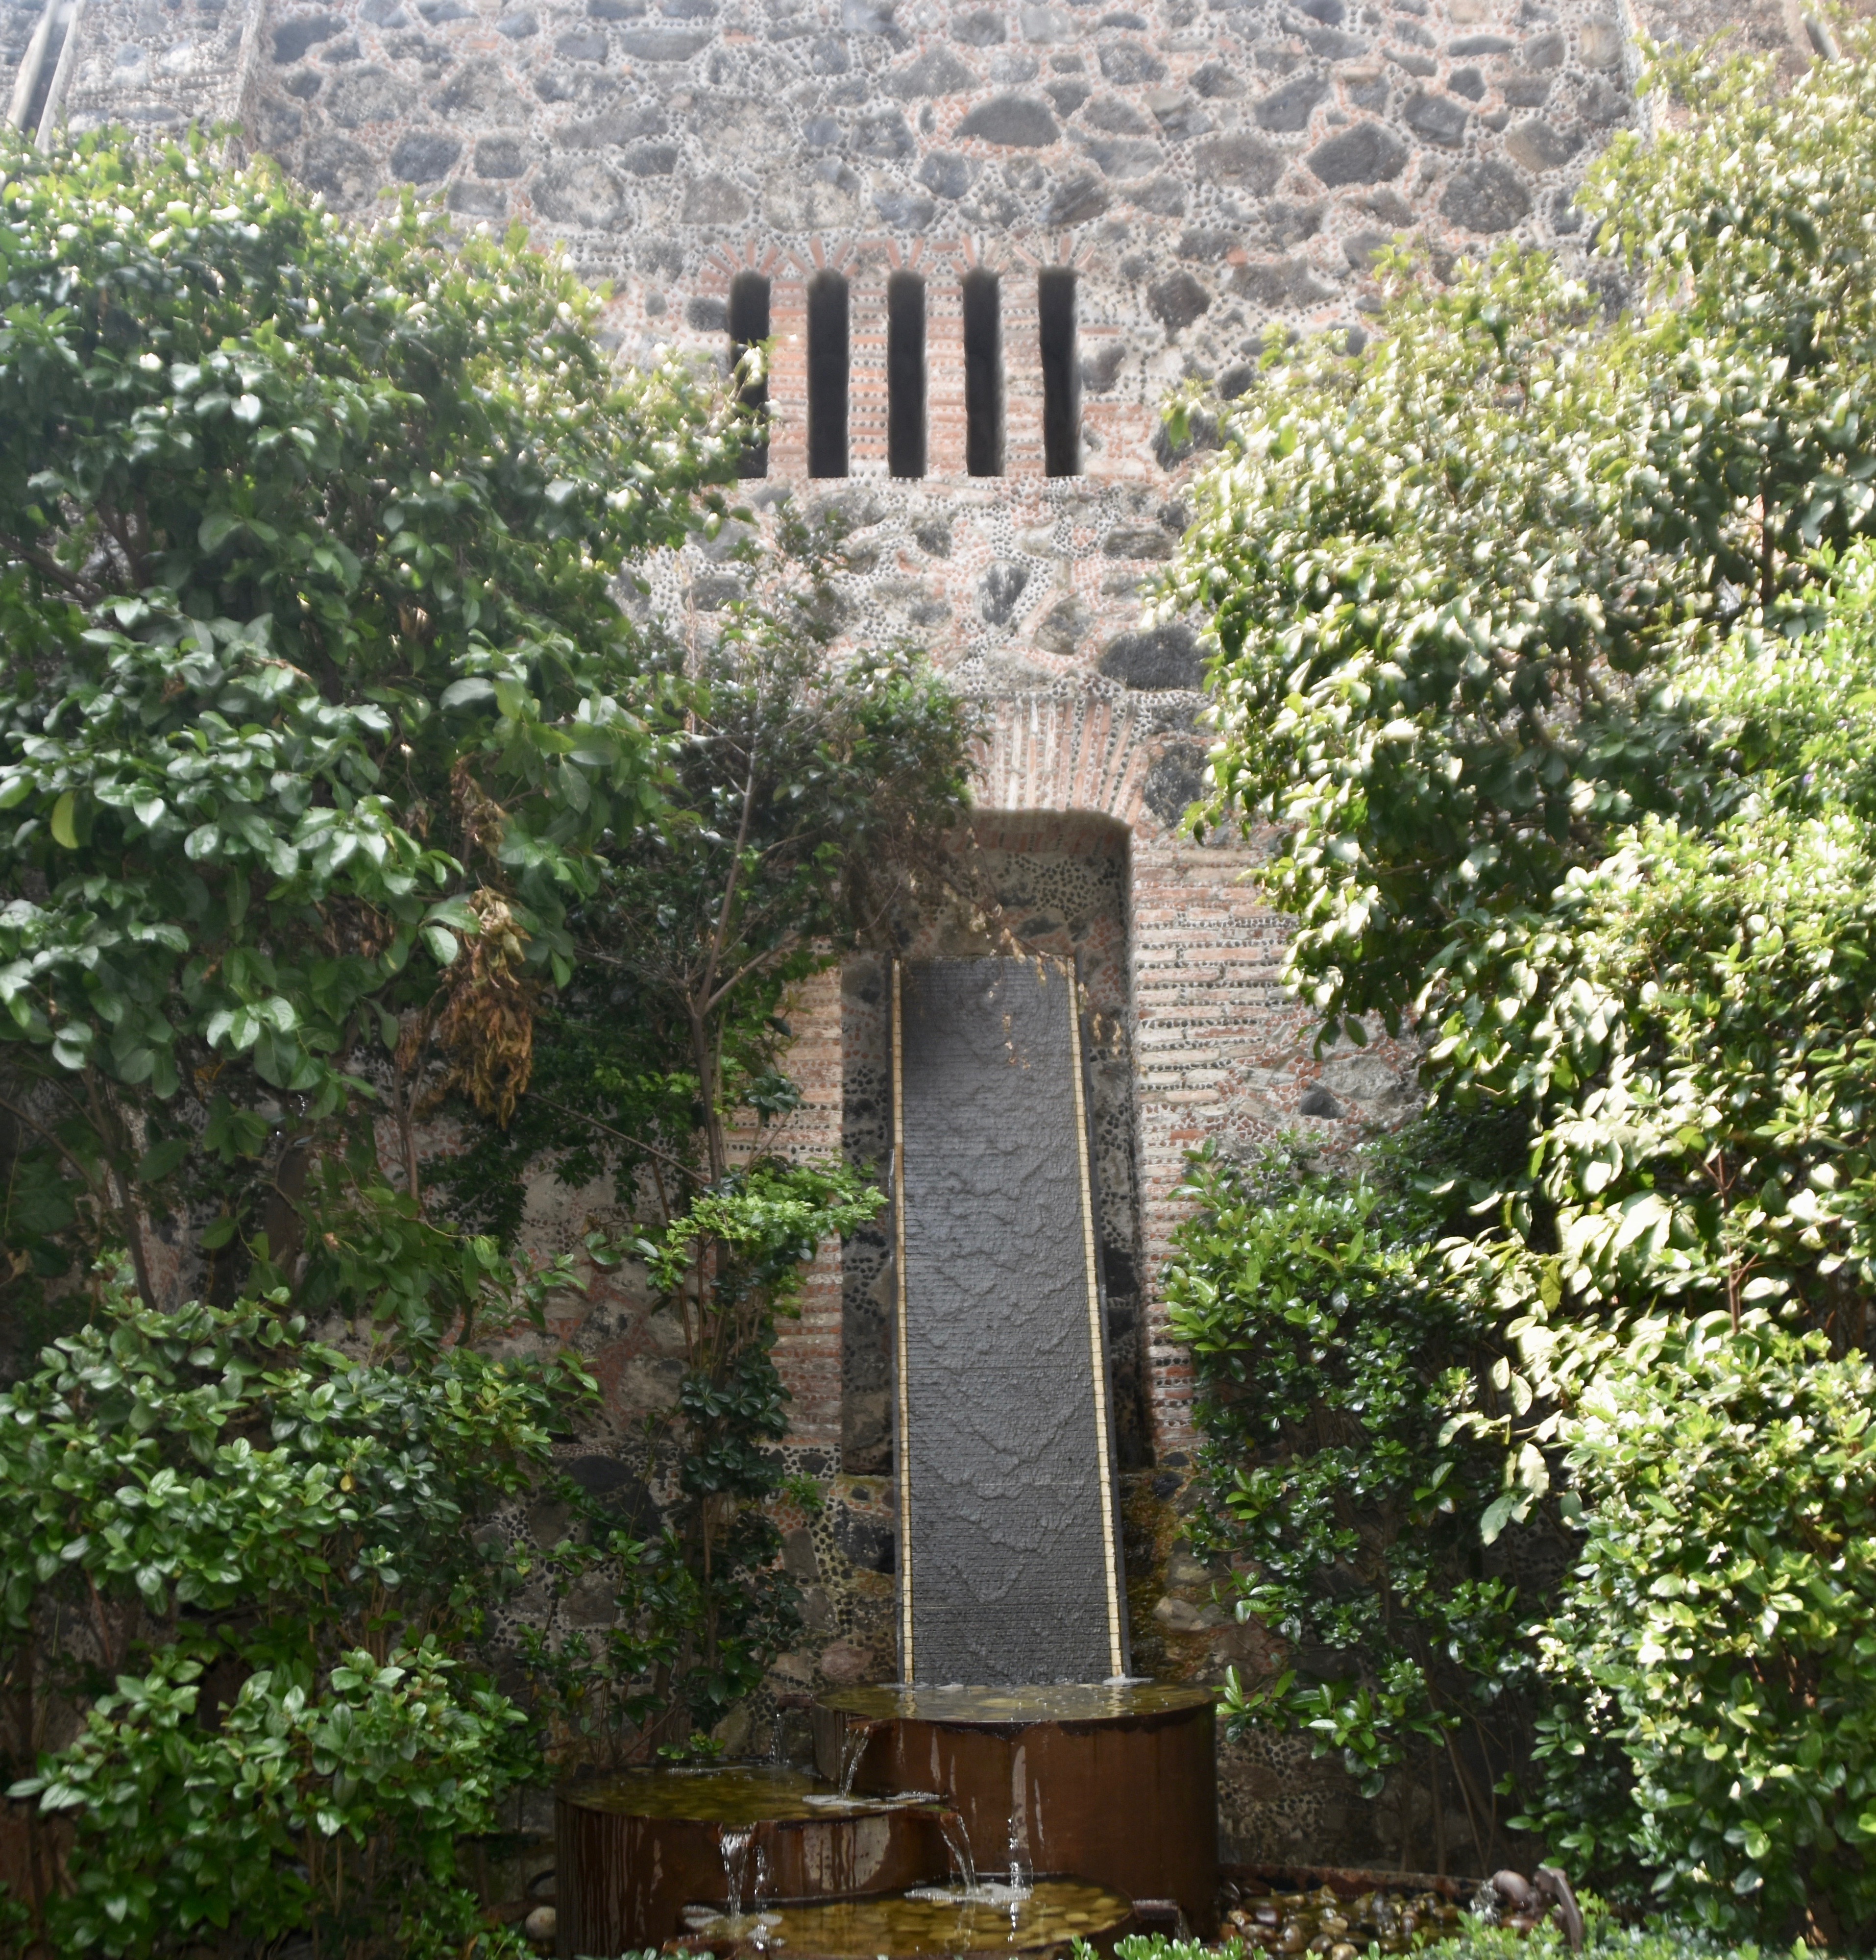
(1207, 171)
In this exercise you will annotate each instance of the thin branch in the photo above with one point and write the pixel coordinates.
(127, 1214)
(1465, 1797)
(756, 966)
(45, 565)
(636, 1143)
(730, 886)
(20, 1116)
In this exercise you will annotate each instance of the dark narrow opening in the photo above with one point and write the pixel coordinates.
(983, 375)
(749, 324)
(905, 374)
(827, 375)
(48, 68)
(1061, 379)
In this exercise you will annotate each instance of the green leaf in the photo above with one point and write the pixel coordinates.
(161, 1159)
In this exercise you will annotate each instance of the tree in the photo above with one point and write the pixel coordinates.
(1551, 637)
(317, 701)
(337, 768)
(814, 802)
(1450, 581)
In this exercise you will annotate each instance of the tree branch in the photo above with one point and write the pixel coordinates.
(636, 1143)
(47, 566)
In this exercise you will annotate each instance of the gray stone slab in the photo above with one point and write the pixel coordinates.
(1013, 1558)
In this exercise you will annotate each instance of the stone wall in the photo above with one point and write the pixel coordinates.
(1206, 169)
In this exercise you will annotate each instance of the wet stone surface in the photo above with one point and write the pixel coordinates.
(1325, 1922)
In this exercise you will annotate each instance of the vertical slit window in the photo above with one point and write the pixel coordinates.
(905, 374)
(983, 375)
(827, 375)
(1061, 379)
(39, 69)
(749, 324)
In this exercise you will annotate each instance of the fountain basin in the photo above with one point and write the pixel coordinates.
(1116, 1784)
(633, 1851)
(1056, 1911)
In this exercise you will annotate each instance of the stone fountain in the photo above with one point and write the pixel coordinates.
(1015, 1789)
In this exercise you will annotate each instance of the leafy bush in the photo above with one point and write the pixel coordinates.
(1607, 1938)
(1551, 638)
(1688, 1026)
(702, 1606)
(1331, 1352)
(244, 1564)
(1718, 1629)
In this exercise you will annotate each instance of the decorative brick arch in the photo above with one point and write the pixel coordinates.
(1074, 749)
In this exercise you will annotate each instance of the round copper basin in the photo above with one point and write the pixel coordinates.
(1116, 1785)
(635, 1850)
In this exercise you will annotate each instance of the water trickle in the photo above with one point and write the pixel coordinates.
(733, 1841)
(959, 1846)
(760, 1884)
(1021, 1871)
(853, 1747)
(970, 1890)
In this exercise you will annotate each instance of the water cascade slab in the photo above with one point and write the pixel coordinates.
(1009, 1563)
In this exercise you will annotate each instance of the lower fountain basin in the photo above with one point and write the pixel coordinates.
(634, 1850)
(1055, 1912)
(1116, 1784)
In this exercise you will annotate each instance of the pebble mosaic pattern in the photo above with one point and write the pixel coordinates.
(1261, 148)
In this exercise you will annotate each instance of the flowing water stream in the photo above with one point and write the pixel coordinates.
(853, 1747)
(735, 1840)
(971, 1889)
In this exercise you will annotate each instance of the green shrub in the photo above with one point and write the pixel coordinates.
(250, 1563)
(1606, 1938)
(1331, 1352)
(1720, 1629)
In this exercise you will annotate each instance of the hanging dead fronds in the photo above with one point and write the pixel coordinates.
(480, 819)
(486, 1027)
